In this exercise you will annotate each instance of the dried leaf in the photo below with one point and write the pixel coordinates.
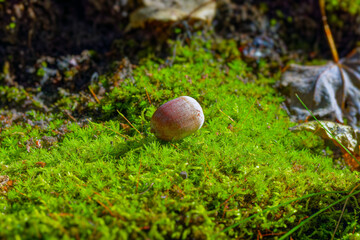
(40, 164)
(349, 160)
(230, 127)
(171, 11)
(3, 180)
(125, 127)
(346, 135)
(331, 92)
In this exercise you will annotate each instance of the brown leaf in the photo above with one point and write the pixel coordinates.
(346, 135)
(171, 11)
(10, 183)
(40, 164)
(331, 92)
(125, 127)
(354, 166)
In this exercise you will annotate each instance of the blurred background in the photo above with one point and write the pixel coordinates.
(51, 44)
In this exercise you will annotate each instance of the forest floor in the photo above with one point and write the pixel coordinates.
(77, 93)
(94, 175)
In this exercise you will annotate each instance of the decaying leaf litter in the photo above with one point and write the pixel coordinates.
(330, 92)
(346, 135)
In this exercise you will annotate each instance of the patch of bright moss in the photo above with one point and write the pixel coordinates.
(101, 181)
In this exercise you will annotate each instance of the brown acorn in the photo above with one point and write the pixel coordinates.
(177, 119)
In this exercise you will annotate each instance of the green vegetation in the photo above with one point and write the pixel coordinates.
(351, 6)
(93, 180)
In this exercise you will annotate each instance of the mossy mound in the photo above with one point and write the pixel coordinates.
(103, 180)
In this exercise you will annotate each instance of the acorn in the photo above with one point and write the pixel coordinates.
(177, 119)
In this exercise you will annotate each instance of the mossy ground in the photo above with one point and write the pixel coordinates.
(101, 181)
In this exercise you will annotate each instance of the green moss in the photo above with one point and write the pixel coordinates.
(350, 6)
(101, 181)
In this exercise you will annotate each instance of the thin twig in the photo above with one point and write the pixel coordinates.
(328, 32)
(128, 121)
(146, 189)
(226, 115)
(69, 115)
(94, 95)
(147, 94)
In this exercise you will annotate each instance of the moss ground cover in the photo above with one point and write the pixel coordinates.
(101, 180)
